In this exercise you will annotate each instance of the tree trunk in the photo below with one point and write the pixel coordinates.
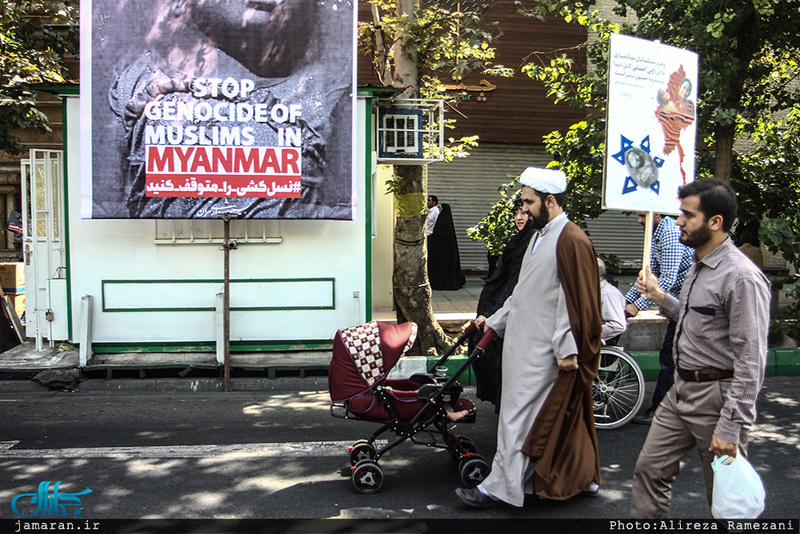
(381, 64)
(723, 151)
(406, 71)
(748, 45)
(412, 291)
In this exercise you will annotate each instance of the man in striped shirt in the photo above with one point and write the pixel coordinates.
(669, 261)
(720, 350)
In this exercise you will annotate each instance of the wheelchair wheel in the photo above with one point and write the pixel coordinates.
(617, 390)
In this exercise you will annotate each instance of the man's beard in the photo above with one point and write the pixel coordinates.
(540, 219)
(699, 238)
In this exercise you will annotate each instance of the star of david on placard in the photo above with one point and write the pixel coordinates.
(626, 144)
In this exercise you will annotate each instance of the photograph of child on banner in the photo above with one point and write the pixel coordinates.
(202, 107)
(675, 113)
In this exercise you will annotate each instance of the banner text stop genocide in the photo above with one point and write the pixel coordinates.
(240, 168)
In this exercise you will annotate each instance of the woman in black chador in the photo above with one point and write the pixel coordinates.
(495, 292)
(444, 265)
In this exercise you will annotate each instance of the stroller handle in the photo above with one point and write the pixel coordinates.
(486, 340)
(470, 329)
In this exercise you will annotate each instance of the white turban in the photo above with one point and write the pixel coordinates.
(550, 181)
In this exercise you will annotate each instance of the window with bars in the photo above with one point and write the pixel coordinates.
(401, 132)
(205, 231)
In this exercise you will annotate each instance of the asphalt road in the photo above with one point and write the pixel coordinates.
(280, 455)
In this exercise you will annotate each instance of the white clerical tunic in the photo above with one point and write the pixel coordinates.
(536, 331)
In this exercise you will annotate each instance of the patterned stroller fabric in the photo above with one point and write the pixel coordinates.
(362, 357)
(363, 344)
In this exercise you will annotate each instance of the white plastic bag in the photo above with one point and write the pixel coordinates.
(738, 491)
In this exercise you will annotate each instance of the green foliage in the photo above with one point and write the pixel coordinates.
(769, 191)
(789, 327)
(498, 226)
(34, 37)
(557, 69)
(748, 51)
(749, 89)
(781, 236)
(767, 178)
(445, 43)
(453, 148)
(579, 151)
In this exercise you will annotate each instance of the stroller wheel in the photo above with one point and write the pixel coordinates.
(361, 450)
(461, 446)
(473, 470)
(367, 476)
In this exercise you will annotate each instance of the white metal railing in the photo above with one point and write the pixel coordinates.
(205, 231)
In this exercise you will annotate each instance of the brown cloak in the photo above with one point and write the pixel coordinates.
(563, 440)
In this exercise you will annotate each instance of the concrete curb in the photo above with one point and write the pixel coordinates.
(780, 362)
(168, 385)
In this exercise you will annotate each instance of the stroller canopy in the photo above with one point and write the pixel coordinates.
(365, 354)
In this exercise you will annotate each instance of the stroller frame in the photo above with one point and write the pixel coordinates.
(436, 392)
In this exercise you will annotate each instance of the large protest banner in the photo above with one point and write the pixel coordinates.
(652, 127)
(194, 108)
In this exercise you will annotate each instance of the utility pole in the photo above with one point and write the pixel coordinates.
(227, 246)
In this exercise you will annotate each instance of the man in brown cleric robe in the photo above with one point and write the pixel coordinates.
(551, 325)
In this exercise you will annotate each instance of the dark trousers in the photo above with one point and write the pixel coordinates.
(667, 363)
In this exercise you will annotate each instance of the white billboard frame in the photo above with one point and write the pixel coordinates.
(651, 126)
(188, 112)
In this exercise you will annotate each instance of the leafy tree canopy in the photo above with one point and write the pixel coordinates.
(498, 226)
(442, 39)
(748, 101)
(35, 35)
(445, 41)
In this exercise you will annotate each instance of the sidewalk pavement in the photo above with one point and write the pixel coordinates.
(452, 309)
(448, 306)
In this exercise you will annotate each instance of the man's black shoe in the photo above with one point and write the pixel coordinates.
(474, 497)
(645, 418)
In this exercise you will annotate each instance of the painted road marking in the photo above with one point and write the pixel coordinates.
(237, 450)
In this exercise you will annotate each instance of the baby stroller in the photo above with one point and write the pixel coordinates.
(363, 356)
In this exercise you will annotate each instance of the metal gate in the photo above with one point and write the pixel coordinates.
(44, 246)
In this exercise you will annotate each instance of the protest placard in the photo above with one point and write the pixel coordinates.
(652, 125)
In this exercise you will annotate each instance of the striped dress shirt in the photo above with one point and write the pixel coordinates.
(669, 261)
(723, 321)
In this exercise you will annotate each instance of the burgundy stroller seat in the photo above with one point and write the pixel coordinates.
(362, 358)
